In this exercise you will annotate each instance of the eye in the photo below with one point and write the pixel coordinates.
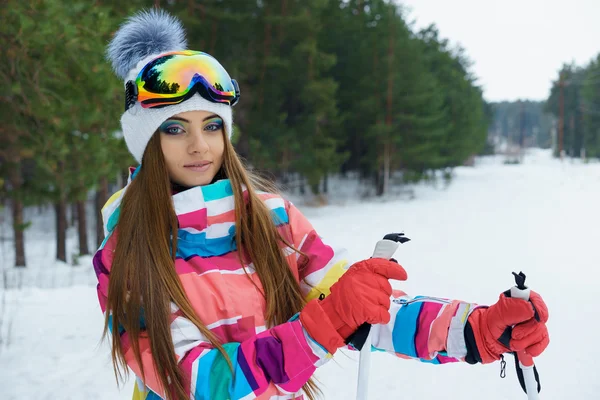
(172, 130)
(214, 126)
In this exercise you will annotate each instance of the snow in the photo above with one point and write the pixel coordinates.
(540, 217)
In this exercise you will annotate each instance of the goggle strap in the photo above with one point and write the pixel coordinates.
(131, 94)
(237, 92)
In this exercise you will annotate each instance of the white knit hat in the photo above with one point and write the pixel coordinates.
(143, 37)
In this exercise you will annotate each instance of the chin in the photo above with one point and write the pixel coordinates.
(200, 180)
(197, 182)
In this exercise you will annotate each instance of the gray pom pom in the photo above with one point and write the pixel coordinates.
(143, 34)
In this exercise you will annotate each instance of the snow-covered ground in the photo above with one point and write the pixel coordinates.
(541, 217)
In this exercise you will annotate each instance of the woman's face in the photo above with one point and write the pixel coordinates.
(192, 143)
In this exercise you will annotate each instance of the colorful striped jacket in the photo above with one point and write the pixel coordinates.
(270, 362)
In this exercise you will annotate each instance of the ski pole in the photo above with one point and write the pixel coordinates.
(526, 369)
(361, 340)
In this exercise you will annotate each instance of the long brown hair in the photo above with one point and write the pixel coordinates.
(143, 277)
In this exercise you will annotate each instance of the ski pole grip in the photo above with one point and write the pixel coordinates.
(520, 291)
(524, 364)
(385, 248)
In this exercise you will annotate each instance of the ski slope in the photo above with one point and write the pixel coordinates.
(541, 217)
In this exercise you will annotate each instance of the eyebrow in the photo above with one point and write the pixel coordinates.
(188, 121)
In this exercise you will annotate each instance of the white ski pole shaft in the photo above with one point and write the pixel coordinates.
(525, 360)
(364, 367)
(384, 248)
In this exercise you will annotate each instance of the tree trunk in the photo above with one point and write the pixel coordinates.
(377, 178)
(16, 180)
(388, 120)
(386, 168)
(73, 215)
(101, 197)
(61, 229)
(82, 228)
(378, 183)
(325, 184)
(17, 214)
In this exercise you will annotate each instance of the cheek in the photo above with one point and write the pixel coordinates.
(171, 150)
(217, 146)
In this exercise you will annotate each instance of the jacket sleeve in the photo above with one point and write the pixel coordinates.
(276, 361)
(320, 264)
(424, 328)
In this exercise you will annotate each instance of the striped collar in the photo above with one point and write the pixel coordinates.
(206, 217)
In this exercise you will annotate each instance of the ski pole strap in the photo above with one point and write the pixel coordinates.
(358, 338)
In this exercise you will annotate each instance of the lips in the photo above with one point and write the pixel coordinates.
(199, 166)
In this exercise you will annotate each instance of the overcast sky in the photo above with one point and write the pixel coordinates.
(517, 46)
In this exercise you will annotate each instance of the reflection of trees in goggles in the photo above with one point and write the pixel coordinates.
(150, 76)
(170, 85)
(162, 87)
(173, 72)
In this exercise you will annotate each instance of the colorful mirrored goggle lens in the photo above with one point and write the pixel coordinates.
(170, 78)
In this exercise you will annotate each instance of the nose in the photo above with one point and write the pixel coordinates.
(197, 143)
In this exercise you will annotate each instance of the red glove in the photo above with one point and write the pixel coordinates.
(483, 336)
(361, 295)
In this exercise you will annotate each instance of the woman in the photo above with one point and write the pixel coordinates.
(215, 287)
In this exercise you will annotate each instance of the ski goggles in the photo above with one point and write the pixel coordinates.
(175, 77)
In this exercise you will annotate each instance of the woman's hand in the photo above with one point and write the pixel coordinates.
(361, 295)
(527, 319)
